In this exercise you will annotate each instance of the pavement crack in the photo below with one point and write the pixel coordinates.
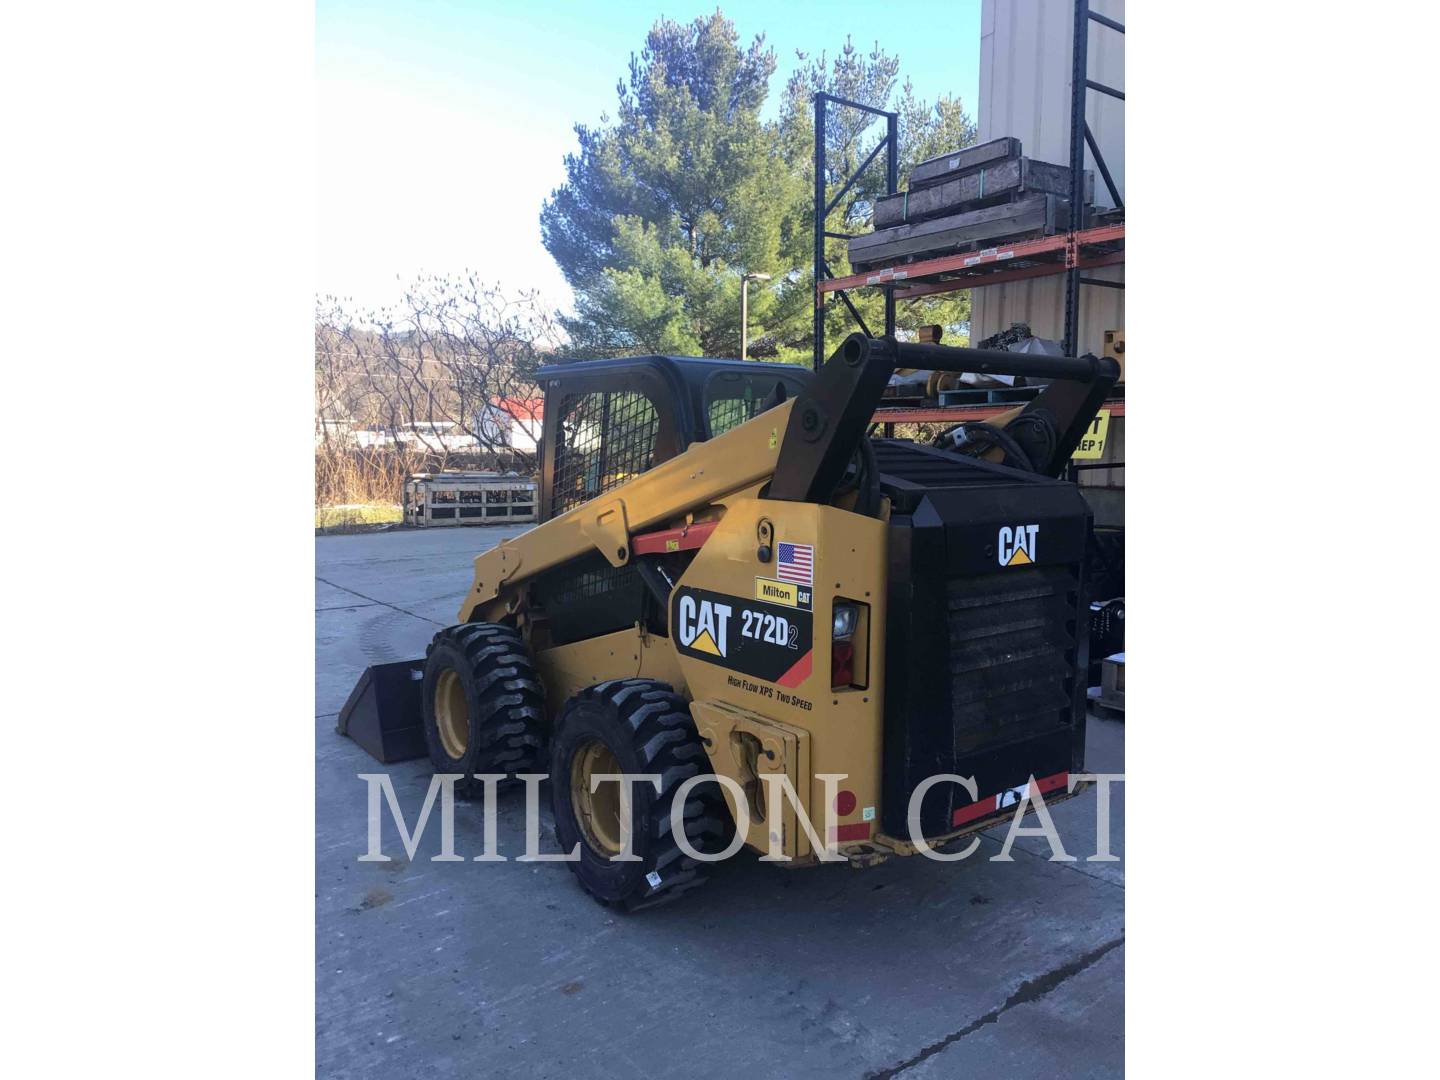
(1029, 990)
(382, 603)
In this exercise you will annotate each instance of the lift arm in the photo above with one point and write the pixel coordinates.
(831, 415)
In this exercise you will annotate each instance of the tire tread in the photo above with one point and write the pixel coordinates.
(512, 698)
(668, 744)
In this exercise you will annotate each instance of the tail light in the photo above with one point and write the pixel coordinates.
(842, 664)
(842, 645)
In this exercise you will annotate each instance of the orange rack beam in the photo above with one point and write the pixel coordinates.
(987, 267)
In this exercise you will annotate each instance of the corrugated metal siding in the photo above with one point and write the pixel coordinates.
(1025, 92)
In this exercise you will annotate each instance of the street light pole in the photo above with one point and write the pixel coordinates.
(744, 311)
(745, 280)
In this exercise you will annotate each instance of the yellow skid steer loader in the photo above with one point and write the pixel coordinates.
(733, 580)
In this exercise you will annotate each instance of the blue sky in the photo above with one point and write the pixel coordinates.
(443, 124)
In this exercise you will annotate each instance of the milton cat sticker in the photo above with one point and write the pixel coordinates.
(1016, 546)
(771, 641)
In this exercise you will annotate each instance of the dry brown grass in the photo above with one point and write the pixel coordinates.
(358, 488)
(346, 477)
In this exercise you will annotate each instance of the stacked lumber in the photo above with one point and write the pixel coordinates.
(972, 198)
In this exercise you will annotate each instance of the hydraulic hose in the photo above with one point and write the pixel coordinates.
(1036, 432)
(1015, 456)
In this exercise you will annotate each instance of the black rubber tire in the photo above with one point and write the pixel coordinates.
(505, 703)
(647, 726)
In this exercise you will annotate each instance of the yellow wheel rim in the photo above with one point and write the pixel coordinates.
(597, 812)
(452, 714)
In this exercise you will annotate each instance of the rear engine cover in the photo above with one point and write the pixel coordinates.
(986, 635)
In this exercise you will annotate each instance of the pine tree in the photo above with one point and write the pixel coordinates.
(688, 188)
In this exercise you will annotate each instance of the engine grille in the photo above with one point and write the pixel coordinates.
(1012, 653)
(983, 662)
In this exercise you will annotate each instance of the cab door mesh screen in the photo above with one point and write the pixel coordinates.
(605, 438)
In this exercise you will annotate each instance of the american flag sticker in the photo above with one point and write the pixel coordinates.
(796, 562)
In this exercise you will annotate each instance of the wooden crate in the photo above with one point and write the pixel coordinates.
(470, 499)
(1038, 215)
(939, 169)
(986, 186)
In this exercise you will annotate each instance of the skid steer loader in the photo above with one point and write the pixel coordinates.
(732, 578)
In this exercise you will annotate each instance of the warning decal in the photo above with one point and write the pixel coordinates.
(1092, 443)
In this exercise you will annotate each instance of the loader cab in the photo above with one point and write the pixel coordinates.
(607, 421)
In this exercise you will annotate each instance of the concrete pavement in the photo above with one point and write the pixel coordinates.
(912, 969)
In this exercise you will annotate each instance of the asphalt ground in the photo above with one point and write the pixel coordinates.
(910, 969)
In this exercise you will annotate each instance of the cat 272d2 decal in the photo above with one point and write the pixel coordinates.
(769, 641)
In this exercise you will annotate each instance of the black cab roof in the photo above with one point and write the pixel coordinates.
(696, 385)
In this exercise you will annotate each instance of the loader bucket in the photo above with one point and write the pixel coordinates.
(384, 712)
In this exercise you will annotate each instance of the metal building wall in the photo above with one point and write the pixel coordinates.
(1025, 67)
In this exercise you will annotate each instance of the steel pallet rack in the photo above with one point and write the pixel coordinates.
(891, 145)
(1071, 253)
